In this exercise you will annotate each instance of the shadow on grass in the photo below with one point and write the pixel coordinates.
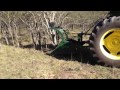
(38, 47)
(70, 54)
(83, 55)
(28, 46)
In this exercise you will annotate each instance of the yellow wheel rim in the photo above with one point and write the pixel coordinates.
(110, 44)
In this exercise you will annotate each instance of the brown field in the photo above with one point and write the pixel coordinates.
(17, 63)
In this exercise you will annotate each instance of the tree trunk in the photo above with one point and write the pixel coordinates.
(40, 40)
(34, 43)
(16, 35)
(5, 37)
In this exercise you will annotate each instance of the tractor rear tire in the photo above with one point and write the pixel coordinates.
(105, 42)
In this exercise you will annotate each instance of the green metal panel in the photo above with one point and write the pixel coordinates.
(64, 37)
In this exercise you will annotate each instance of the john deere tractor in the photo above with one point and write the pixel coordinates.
(104, 40)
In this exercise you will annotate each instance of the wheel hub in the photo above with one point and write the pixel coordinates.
(110, 44)
(115, 42)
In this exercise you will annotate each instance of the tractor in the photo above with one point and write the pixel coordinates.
(104, 40)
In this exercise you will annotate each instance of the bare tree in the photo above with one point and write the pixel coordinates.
(34, 23)
(6, 19)
(15, 29)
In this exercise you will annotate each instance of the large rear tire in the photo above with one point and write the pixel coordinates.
(105, 41)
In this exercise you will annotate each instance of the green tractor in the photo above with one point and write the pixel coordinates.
(104, 40)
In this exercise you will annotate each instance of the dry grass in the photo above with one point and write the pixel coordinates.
(16, 63)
